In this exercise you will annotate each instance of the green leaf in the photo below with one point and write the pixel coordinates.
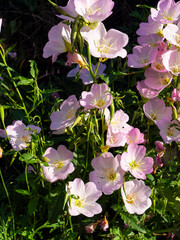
(34, 70)
(25, 81)
(32, 205)
(28, 158)
(132, 222)
(23, 192)
(55, 207)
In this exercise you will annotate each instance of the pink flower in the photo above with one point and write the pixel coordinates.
(171, 61)
(146, 91)
(107, 174)
(75, 58)
(159, 148)
(59, 41)
(103, 44)
(104, 224)
(66, 116)
(172, 33)
(135, 195)
(152, 27)
(170, 131)
(156, 110)
(98, 97)
(134, 161)
(135, 136)
(119, 122)
(157, 80)
(115, 139)
(151, 40)
(91, 227)
(59, 162)
(94, 10)
(158, 162)
(158, 65)
(175, 95)
(83, 198)
(167, 11)
(20, 134)
(142, 56)
(70, 10)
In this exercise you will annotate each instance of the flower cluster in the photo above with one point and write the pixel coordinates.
(158, 52)
(85, 21)
(116, 158)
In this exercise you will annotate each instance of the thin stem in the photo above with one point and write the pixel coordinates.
(90, 65)
(70, 222)
(9, 73)
(27, 182)
(7, 194)
(103, 130)
(97, 69)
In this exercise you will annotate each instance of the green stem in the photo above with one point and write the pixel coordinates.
(103, 130)
(90, 65)
(7, 194)
(70, 222)
(96, 69)
(27, 182)
(9, 73)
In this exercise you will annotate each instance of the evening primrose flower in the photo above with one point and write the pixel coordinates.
(66, 116)
(172, 33)
(171, 61)
(59, 162)
(167, 11)
(83, 198)
(157, 111)
(94, 10)
(107, 174)
(103, 44)
(134, 161)
(135, 136)
(98, 97)
(59, 41)
(142, 56)
(136, 195)
(20, 134)
(157, 80)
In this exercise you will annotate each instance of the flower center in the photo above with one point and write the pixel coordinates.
(70, 114)
(159, 65)
(25, 138)
(58, 164)
(111, 175)
(154, 116)
(167, 16)
(133, 164)
(178, 39)
(170, 131)
(79, 202)
(103, 46)
(130, 198)
(165, 81)
(144, 60)
(100, 103)
(92, 10)
(175, 69)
